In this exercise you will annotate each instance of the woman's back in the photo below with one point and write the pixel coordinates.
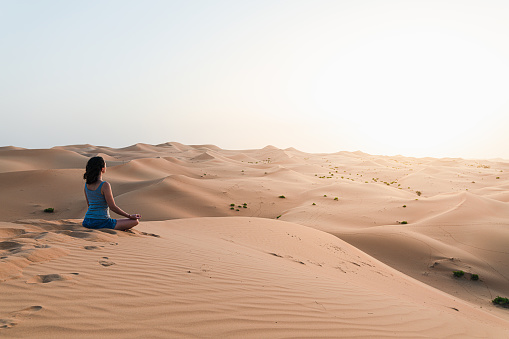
(97, 205)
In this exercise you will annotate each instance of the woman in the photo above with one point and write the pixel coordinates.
(99, 197)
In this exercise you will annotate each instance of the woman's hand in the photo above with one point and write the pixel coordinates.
(134, 216)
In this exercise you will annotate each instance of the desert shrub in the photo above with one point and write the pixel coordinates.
(474, 277)
(279, 216)
(313, 204)
(404, 222)
(458, 274)
(282, 197)
(504, 302)
(232, 204)
(404, 205)
(336, 198)
(49, 210)
(418, 193)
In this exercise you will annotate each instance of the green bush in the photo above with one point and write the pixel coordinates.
(282, 197)
(504, 302)
(404, 222)
(474, 277)
(458, 274)
(49, 210)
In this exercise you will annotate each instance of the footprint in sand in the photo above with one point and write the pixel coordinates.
(288, 257)
(106, 262)
(47, 278)
(42, 246)
(10, 245)
(16, 316)
(7, 323)
(151, 234)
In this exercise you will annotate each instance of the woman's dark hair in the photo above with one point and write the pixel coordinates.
(94, 167)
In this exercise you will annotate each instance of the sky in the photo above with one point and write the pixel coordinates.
(416, 78)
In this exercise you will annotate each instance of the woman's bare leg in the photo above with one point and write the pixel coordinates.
(125, 224)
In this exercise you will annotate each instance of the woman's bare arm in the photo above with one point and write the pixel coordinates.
(85, 190)
(108, 195)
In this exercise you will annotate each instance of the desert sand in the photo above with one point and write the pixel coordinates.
(315, 245)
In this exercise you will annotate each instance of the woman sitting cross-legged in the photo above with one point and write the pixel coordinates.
(100, 200)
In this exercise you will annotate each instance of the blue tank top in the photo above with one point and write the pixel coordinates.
(97, 205)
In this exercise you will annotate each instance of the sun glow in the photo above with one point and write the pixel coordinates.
(415, 90)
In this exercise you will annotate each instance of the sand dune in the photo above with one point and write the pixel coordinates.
(233, 277)
(244, 158)
(25, 160)
(206, 147)
(176, 146)
(10, 148)
(254, 243)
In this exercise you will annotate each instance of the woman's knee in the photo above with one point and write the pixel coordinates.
(125, 224)
(130, 223)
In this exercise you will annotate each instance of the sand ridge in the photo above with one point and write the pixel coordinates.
(272, 221)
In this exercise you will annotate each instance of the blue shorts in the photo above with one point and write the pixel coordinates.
(99, 223)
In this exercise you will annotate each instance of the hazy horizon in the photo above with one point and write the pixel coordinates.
(416, 78)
